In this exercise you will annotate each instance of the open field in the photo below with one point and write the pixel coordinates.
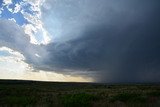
(59, 94)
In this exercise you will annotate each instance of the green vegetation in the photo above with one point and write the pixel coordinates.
(129, 97)
(20, 100)
(57, 94)
(78, 100)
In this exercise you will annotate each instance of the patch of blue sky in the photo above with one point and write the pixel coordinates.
(4, 53)
(27, 9)
(17, 1)
(1, 1)
(6, 13)
(20, 20)
(11, 6)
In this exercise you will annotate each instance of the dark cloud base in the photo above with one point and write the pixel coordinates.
(126, 49)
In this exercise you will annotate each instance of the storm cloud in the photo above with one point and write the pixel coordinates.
(118, 39)
(109, 40)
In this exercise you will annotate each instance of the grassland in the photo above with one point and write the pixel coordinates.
(59, 94)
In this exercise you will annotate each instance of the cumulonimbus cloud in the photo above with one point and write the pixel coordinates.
(110, 41)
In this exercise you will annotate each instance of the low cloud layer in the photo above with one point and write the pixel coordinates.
(112, 41)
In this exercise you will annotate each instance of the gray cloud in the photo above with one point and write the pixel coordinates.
(117, 39)
(112, 41)
(13, 36)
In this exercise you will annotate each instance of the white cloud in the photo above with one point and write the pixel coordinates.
(46, 36)
(9, 9)
(12, 19)
(13, 37)
(12, 67)
(29, 29)
(36, 29)
(17, 8)
(13, 53)
(7, 2)
(37, 55)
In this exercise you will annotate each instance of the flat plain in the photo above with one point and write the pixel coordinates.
(17, 93)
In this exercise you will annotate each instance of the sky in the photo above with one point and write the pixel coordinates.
(80, 40)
